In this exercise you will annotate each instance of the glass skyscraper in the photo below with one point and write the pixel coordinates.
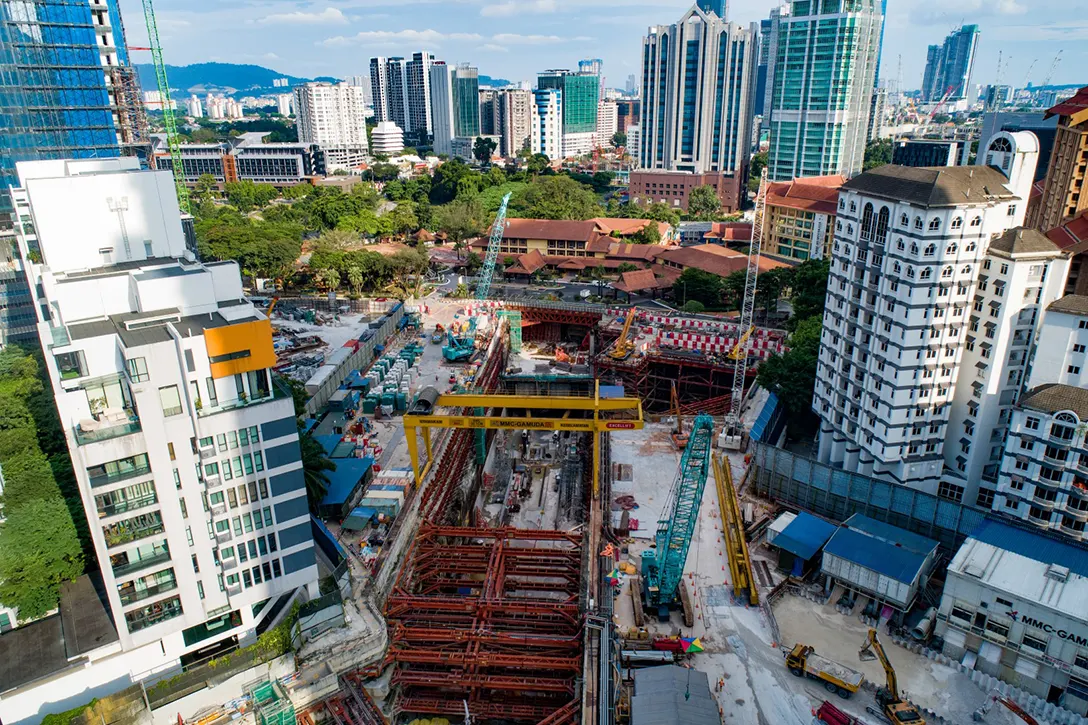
(66, 91)
(580, 93)
(820, 84)
(948, 66)
(466, 101)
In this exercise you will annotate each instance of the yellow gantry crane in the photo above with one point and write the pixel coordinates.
(736, 545)
(594, 415)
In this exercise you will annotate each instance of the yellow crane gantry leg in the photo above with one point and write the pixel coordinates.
(736, 546)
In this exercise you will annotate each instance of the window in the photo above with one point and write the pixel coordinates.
(1012, 210)
(242, 555)
(950, 491)
(962, 613)
(957, 223)
(227, 475)
(232, 499)
(171, 400)
(985, 498)
(917, 222)
(934, 224)
(237, 522)
(252, 549)
(258, 462)
(247, 522)
(262, 546)
(271, 542)
(263, 484)
(137, 369)
(1039, 645)
(243, 498)
(1073, 370)
(1004, 269)
(252, 491)
(170, 449)
(246, 579)
(232, 439)
(904, 220)
(243, 437)
(267, 516)
(976, 222)
(998, 628)
(1078, 348)
(1032, 423)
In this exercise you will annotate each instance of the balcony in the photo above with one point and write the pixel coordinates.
(132, 504)
(207, 452)
(105, 479)
(213, 480)
(222, 536)
(234, 589)
(218, 509)
(89, 431)
(278, 392)
(60, 336)
(138, 595)
(153, 614)
(141, 527)
(229, 564)
(121, 570)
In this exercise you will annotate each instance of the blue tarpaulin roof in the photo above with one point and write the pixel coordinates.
(342, 481)
(881, 547)
(328, 442)
(1033, 545)
(309, 424)
(805, 535)
(764, 419)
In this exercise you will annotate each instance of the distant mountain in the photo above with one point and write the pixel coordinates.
(494, 82)
(229, 78)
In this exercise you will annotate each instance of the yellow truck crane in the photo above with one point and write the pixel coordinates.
(839, 679)
(893, 708)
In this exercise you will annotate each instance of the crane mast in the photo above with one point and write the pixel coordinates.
(747, 314)
(663, 566)
(483, 284)
(168, 118)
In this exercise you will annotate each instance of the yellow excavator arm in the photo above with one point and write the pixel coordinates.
(872, 645)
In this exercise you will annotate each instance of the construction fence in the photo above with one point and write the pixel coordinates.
(803, 483)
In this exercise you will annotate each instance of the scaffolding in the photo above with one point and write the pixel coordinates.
(133, 130)
(271, 706)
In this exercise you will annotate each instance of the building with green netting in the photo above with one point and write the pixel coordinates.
(270, 704)
(821, 79)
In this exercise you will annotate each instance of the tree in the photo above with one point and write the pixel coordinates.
(878, 152)
(809, 289)
(693, 306)
(401, 220)
(444, 185)
(246, 195)
(619, 138)
(39, 550)
(537, 164)
(703, 203)
(792, 375)
(557, 197)
(733, 289)
(755, 170)
(206, 186)
(482, 148)
(461, 219)
(338, 239)
(355, 280)
(649, 234)
(695, 284)
(328, 278)
(625, 267)
(384, 172)
(473, 263)
(769, 289)
(314, 466)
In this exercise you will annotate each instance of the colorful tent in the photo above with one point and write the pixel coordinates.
(692, 644)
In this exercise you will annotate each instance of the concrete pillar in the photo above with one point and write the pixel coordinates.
(865, 464)
(826, 439)
(838, 450)
(850, 459)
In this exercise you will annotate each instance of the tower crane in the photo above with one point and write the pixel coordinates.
(747, 317)
(663, 565)
(894, 708)
(1053, 67)
(168, 118)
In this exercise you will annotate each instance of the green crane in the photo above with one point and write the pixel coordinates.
(169, 120)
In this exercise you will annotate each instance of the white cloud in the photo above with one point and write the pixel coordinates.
(512, 7)
(328, 16)
(514, 39)
(494, 48)
(380, 37)
(1010, 7)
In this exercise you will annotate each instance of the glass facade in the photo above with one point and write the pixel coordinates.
(826, 53)
(466, 102)
(581, 93)
(54, 98)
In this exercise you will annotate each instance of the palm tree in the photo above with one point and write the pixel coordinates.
(355, 280)
(314, 465)
(328, 278)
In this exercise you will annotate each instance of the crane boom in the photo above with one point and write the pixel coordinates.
(872, 643)
(663, 566)
(748, 310)
(483, 284)
(169, 121)
(623, 345)
(896, 710)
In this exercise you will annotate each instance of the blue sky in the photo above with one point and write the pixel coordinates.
(516, 38)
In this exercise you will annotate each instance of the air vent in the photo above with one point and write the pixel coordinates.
(1058, 573)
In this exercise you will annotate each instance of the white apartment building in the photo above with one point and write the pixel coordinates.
(634, 144)
(442, 122)
(608, 121)
(1044, 473)
(928, 321)
(386, 139)
(578, 144)
(194, 108)
(184, 447)
(283, 104)
(515, 120)
(547, 123)
(330, 114)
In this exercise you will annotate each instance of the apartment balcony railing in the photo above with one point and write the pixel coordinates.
(105, 431)
(139, 595)
(140, 564)
(105, 479)
(278, 392)
(132, 504)
(153, 614)
(125, 536)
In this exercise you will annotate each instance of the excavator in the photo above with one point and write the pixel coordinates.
(625, 347)
(893, 708)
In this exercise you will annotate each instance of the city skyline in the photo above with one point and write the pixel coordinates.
(515, 41)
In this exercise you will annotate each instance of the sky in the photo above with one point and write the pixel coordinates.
(514, 39)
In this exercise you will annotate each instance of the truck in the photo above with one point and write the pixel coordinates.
(828, 714)
(838, 679)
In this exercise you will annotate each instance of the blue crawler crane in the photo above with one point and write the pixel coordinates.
(663, 566)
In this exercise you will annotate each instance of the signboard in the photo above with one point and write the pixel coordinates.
(620, 425)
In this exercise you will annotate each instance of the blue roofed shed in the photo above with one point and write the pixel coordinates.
(800, 542)
(879, 560)
(346, 485)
